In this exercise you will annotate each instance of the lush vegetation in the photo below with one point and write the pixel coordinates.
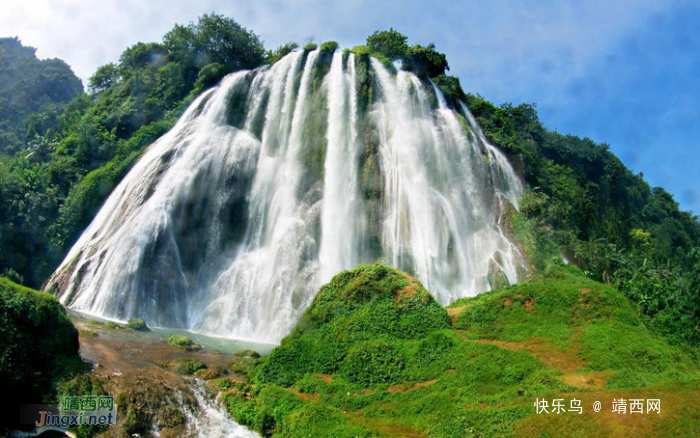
(33, 93)
(583, 204)
(603, 217)
(184, 342)
(374, 355)
(391, 45)
(137, 324)
(52, 188)
(38, 346)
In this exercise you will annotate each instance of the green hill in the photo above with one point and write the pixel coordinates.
(28, 86)
(375, 355)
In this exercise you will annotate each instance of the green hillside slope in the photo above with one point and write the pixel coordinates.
(375, 355)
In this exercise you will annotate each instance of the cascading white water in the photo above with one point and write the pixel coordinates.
(281, 177)
(339, 221)
(211, 420)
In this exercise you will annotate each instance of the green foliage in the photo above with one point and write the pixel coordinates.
(689, 299)
(104, 77)
(137, 324)
(426, 61)
(38, 345)
(210, 75)
(583, 202)
(328, 47)
(83, 384)
(215, 38)
(362, 52)
(247, 353)
(569, 311)
(370, 303)
(310, 47)
(73, 155)
(184, 342)
(451, 88)
(271, 405)
(244, 366)
(372, 363)
(347, 370)
(282, 51)
(390, 43)
(188, 366)
(29, 85)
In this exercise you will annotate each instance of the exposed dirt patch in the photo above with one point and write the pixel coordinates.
(383, 427)
(584, 290)
(594, 380)
(529, 305)
(410, 278)
(407, 291)
(403, 387)
(454, 312)
(507, 301)
(302, 395)
(564, 361)
(325, 377)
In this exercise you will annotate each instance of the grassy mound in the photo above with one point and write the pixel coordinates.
(363, 325)
(375, 355)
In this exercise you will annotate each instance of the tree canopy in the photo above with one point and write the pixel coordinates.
(391, 45)
(29, 85)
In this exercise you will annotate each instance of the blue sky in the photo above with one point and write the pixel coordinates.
(622, 72)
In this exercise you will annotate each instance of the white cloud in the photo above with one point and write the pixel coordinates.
(494, 46)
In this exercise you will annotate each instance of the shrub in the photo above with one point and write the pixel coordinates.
(184, 342)
(137, 324)
(328, 47)
(189, 366)
(247, 353)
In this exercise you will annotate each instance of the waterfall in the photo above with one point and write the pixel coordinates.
(211, 420)
(339, 221)
(279, 178)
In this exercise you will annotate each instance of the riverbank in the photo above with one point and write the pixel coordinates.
(161, 389)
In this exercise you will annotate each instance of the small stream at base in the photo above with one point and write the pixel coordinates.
(211, 420)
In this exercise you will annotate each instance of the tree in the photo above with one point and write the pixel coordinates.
(104, 77)
(390, 43)
(143, 55)
(215, 38)
(29, 85)
(426, 61)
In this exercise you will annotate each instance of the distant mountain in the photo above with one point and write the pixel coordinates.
(28, 85)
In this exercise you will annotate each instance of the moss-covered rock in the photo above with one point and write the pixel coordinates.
(188, 366)
(137, 324)
(247, 353)
(184, 342)
(38, 345)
